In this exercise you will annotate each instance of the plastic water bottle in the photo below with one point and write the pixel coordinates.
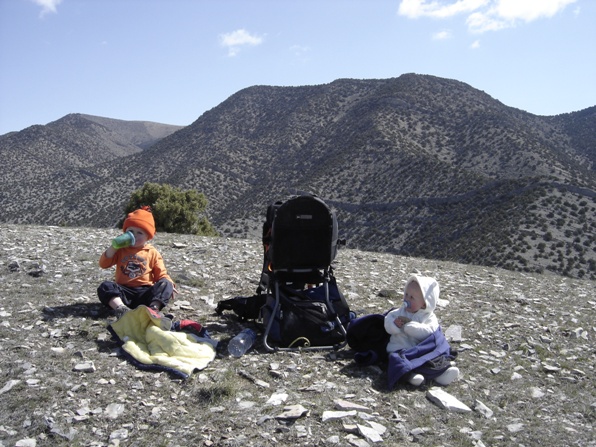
(241, 343)
(124, 240)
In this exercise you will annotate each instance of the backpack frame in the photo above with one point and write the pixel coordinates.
(303, 303)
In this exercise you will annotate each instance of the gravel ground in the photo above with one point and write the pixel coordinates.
(526, 356)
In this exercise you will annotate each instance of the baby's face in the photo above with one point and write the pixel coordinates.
(413, 296)
(140, 236)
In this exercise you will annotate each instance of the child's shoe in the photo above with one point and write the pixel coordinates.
(121, 310)
(448, 376)
(156, 310)
(416, 379)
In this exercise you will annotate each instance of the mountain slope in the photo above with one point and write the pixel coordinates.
(41, 162)
(415, 165)
(74, 141)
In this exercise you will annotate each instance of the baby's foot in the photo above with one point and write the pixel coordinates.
(448, 376)
(416, 379)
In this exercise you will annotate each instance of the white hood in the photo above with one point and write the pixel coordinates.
(430, 291)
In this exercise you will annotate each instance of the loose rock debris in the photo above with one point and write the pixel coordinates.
(524, 343)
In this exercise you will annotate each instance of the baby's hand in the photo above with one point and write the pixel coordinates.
(400, 321)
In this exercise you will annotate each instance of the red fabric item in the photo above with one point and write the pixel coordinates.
(189, 326)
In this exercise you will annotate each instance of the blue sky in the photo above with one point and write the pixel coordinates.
(169, 61)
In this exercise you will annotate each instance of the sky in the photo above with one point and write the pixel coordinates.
(169, 61)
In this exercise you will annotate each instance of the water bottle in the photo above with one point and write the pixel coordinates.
(241, 343)
(124, 240)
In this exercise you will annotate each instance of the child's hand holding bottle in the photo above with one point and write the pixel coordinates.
(124, 240)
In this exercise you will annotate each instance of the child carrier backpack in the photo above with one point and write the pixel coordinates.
(304, 308)
(311, 318)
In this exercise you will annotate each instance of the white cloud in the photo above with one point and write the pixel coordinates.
(438, 8)
(47, 6)
(442, 35)
(480, 22)
(529, 10)
(507, 13)
(475, 44)
(236, 39)
(485, 15)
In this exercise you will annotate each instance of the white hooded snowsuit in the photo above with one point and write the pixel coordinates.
(423, 322)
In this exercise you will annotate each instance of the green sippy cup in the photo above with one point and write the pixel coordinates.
(124, 240)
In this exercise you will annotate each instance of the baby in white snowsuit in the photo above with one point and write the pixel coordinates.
(415, 320)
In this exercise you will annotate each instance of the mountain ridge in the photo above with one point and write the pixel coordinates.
(415, 165)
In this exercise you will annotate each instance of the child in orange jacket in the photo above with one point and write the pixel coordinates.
(141, 276)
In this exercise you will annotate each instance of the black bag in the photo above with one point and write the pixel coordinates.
(246, 307)
(304, 319)
(367, 336)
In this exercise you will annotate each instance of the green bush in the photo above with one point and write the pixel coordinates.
(174, 210)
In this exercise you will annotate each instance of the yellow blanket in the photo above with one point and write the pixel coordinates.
(147, 338)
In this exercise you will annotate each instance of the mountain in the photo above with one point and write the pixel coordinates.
(415, 165)
(38, 161)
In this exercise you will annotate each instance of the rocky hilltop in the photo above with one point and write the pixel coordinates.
(525, 346)
(414, 165)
